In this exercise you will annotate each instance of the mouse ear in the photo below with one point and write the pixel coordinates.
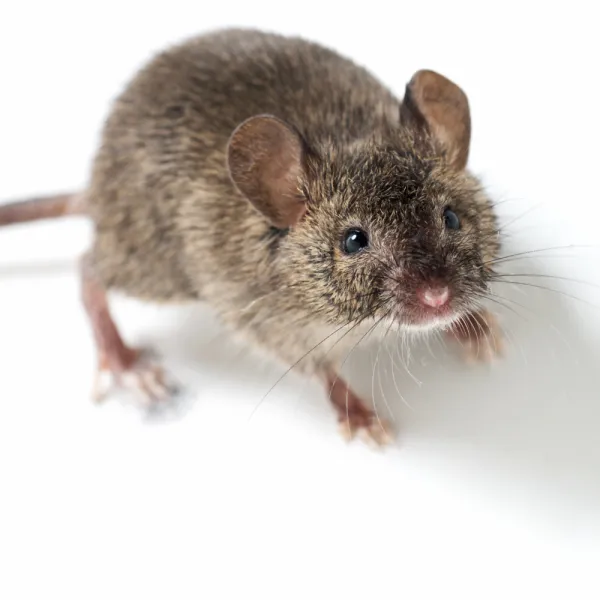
(439, 105)
(265, 158)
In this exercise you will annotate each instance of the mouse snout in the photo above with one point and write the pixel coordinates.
(434, 296)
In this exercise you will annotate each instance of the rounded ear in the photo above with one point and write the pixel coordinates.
(266, 158)
(439, 105)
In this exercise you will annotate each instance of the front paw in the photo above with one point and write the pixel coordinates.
(355, 418)
(479, 336)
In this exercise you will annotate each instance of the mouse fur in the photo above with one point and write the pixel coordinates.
(170, 225)
(170, 186)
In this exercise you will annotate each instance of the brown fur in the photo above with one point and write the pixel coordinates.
(170, 225)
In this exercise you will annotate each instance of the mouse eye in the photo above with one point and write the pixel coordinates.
(354, 241)
(451, 219)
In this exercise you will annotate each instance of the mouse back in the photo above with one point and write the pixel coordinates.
(161, 176)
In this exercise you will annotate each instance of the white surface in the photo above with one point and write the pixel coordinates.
(493, 490)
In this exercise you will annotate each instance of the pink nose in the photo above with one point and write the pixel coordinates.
(434, 297)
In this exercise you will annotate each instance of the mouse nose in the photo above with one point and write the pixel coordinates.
(434, 296)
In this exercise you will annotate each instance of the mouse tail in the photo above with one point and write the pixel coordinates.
(48, 207)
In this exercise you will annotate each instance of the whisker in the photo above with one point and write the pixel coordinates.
(491, 332)
(394, 372)
(545, 276)
(472, 320)
(374, 366)
(529, 252)
(522, 215)
(383, 343)
(547, 289)
(545, 322)
(295, 364)
(406, 361)
(498, 300)
(337, 376)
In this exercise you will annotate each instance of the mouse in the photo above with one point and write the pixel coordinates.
(288, 188)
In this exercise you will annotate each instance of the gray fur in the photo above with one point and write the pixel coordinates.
(170, 226)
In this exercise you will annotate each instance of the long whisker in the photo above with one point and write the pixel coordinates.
(379, 373)
(496, 299)
(368, 332)
(346, 333)
(546, 322)
(472, 320)
(521, 216)
(394, 371)
(295, 365)
(375, 365)
(529, 252)
(547, 289)
(306, 354)
(545, 276)
(405, 358)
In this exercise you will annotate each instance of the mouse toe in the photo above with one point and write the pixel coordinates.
(145, 378)
(355, 418)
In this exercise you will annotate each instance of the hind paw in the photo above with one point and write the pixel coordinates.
(144, 378)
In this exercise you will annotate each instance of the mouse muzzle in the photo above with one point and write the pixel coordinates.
(424, 299)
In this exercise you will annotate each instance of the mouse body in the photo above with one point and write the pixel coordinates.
(287, 187)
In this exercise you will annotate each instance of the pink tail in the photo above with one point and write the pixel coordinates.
(50, 207)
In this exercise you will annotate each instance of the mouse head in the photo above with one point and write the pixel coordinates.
(390, 227)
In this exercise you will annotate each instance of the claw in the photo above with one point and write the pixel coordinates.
(355, 418)
(144, 378)
(377, 432)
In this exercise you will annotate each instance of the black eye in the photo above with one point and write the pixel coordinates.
(354, 241)
(451, 219)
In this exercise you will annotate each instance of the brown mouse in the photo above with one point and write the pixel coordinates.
(288, 188)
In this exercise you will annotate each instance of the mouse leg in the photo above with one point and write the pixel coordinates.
(118, 363)
(353, 416)
(479, 335)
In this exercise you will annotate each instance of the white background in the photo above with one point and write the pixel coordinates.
(493, 489)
